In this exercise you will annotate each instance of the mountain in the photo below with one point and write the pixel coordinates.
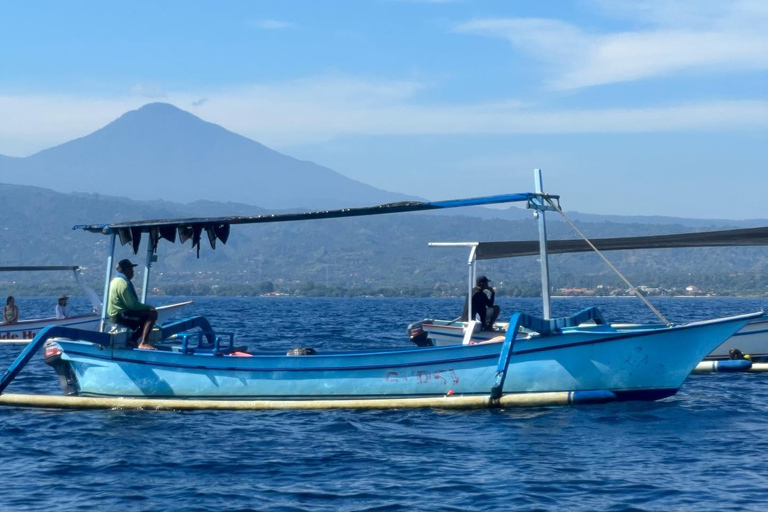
(161, 152)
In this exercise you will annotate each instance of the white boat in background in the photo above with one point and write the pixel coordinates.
(25, 330)
(751, 340)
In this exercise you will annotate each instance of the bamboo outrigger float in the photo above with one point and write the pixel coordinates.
(205, 368)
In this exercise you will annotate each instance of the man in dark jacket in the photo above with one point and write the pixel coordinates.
(482, 304)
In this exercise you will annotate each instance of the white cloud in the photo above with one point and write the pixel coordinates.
(271, 24)
(674, 36)
(148, 90)
(320, 109)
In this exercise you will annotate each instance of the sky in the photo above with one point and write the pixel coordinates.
(650, 107)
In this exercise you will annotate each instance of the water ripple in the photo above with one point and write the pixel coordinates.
(698, 450)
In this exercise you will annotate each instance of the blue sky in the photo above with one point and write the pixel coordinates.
(634, 108)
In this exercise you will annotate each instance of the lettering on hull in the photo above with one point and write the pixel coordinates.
(423, 376)
(25, 335)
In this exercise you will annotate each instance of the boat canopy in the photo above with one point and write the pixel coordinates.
(724, 238)
(218, 228)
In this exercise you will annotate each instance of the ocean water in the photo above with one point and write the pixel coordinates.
(699, 450)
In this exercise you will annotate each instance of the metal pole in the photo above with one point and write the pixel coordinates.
(471, 262)
(147, 266)
(545, 302)
(104, 303)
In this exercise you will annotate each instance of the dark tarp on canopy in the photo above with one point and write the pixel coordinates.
(219, 227)
(725, 238)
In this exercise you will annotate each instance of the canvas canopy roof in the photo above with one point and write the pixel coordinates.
(724, 238)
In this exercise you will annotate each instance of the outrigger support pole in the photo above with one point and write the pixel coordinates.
(108, 274)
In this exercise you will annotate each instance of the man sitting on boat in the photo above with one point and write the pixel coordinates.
(483, 307)
(125, 307)
(61, 307)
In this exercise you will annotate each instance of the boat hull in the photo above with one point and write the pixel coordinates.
(644, 364)
(25, 330)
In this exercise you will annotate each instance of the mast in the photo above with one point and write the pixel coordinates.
(543, 258)
(470, 281)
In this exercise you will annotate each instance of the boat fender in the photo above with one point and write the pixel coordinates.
(240, 354)
(597, 396)
(734, 365)
(301, 352)
(726, 365)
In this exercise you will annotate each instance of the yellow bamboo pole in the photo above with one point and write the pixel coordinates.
(444, 402)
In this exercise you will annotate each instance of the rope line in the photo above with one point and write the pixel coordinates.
(631, 286)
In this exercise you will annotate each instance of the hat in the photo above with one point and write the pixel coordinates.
(126, 264)
(63, 297)
(482, 279)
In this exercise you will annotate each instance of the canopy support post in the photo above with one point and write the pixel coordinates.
(472, 270)
(147, 265)
(108, 274)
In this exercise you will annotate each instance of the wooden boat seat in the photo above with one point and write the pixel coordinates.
(121, 334)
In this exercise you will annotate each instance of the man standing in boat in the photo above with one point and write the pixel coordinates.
(483, 304)
(125, 307)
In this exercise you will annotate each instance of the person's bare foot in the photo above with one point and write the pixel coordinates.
(146, 346)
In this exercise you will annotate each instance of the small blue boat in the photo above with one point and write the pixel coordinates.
(596, 363)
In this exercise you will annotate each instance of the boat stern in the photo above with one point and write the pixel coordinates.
(52, 355)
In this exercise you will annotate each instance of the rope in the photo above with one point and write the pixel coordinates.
(631, 286)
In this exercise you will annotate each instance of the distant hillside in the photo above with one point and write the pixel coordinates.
(365, 254)
(160, 152)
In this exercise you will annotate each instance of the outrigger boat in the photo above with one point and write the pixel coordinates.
(752, 339)
(195, 363)
(25, 330)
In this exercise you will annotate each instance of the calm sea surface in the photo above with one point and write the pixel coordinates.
(702, 449)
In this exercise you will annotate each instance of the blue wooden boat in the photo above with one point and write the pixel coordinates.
(196, 362)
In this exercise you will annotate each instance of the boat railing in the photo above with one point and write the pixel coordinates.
(198, 342)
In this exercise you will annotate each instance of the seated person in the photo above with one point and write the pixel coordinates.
(61, 307)
(483, 307)
(10, 311)
(124, 306)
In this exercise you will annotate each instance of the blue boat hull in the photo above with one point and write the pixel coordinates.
(641, 364)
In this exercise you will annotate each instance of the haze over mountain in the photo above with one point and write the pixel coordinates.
(162, 152)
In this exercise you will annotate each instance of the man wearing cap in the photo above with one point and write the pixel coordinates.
(482, 304)
(125, 308)
(61, 307)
